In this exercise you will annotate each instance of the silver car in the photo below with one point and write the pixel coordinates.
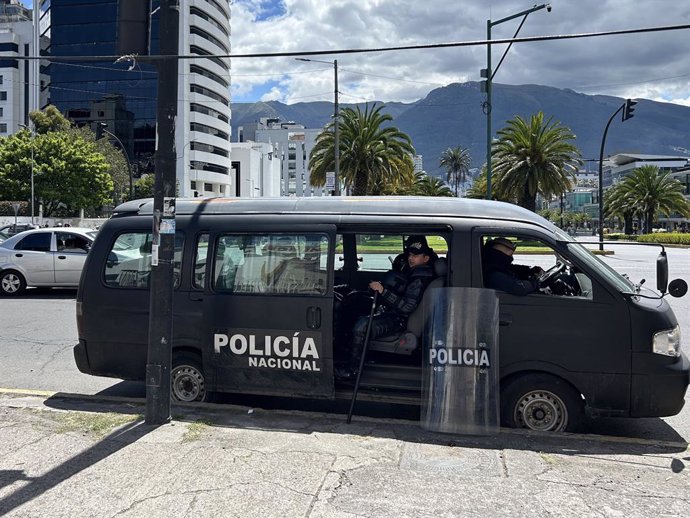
(51, 257)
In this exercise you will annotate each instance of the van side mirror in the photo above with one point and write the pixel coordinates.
(662, 272)
(677, 288)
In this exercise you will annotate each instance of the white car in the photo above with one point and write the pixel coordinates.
(48, 257)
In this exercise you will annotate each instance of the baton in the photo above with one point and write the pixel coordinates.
(361, 360)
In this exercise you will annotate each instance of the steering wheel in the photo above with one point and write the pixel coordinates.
(550, 274)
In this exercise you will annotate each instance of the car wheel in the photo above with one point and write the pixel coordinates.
(541, 402)
(12, 283)
(188, 383)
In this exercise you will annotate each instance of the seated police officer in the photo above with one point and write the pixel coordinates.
(501, 274)
(399, 294)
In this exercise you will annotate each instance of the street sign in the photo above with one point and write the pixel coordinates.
(330, 181)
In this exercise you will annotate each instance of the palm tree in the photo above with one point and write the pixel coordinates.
(532, 157)
(456, 161)
(619, 203)
(426, 185)
(650, 193)
(372, 157)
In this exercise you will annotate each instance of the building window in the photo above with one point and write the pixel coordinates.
(3, 96)
(2, 111)
(208, 187)
(192, 185)
(0, 80)
(3, 128)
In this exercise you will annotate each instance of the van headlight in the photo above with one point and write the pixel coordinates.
(667, 342)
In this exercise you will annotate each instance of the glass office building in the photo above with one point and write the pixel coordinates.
(124, 95)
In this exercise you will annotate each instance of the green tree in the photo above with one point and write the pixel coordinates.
(143, 187)
(619, 203)
(68, 170)
(651, 193)
(426, 185)
(373, 158)
(532, 157)
(456, 161)
(48, 120)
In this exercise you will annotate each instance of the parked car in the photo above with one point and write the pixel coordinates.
(13, 229)
(47, 257)
(3, 236)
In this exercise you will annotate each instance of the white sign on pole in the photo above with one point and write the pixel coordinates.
(330, 181)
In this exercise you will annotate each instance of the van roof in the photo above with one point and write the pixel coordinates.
(346, 205)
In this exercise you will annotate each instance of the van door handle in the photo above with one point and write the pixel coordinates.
(505, 320)
(19, 255)
(313, 317)
(196, 298)
(61, 257)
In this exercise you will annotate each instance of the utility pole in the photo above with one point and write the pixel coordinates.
(158, 365)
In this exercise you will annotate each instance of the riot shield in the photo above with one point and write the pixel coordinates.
(460, 381)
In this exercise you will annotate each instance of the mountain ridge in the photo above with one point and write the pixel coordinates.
(452, 116)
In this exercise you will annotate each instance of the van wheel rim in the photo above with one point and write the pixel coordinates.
(10, 283)
(541, 410)
(188, 384)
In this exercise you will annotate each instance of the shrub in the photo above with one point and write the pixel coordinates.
(620, 236)
(671, 238)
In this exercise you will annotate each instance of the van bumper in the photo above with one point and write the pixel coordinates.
(81, 358)
(660, 393)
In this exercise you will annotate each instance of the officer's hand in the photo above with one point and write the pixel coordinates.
(376, 286)
(536, 270)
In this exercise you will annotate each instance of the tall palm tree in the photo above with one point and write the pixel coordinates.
(426, 185)
(456, 161)
(372, 157)
(618, 202)
(532, 157)
(652, 193)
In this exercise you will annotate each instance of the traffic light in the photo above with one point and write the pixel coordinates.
(628, 109)
(100, 128)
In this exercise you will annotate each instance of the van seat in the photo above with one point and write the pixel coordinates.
(408, 341)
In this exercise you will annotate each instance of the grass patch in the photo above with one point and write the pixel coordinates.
(194, 430)
(95, 425)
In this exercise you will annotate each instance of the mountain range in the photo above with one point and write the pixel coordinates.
(454, 116)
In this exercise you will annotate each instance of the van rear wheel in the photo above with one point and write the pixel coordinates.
(541, 402)
(188, 383)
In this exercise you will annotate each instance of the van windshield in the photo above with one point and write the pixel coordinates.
(616, 279)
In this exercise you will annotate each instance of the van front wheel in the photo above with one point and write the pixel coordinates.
(188, 383)
(541, 402)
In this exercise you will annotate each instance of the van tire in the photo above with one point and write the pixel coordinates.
(187, 380)
(541, 402)
(12, 283)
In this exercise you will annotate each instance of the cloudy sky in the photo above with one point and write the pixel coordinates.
(652, 66)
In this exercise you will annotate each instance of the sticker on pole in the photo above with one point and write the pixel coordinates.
(167, 226)
(168, 207)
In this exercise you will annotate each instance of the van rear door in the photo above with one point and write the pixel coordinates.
(268, 310)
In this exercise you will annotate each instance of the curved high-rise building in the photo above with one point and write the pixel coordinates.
(124, 95)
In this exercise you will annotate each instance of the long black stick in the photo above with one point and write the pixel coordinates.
(361, 360)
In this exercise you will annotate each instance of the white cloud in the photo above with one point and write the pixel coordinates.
(630, 65)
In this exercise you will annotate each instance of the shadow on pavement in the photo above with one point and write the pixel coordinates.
(331, 419)
(35, 486)
(46, 294)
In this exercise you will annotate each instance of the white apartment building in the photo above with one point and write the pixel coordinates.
(203, 131)
(17, 77)
(256, 169)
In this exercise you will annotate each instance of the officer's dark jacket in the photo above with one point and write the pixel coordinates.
(501, 274)
(404, 302)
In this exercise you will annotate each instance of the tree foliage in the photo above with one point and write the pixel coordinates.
(647, 193)
(456, 161)
(532, 157)
(68, 170)
(374, 157)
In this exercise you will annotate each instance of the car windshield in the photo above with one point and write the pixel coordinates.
(616, 279)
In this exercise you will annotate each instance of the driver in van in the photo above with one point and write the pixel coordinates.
(501, 274)
(400, 294)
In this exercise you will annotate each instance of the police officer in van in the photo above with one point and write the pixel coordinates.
(399, 294)
(501, 274)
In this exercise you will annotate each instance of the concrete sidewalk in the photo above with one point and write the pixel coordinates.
(71, 457)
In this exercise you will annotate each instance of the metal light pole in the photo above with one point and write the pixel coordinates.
(124, 151)
(489, 74)
(33, 136)
(336, 119)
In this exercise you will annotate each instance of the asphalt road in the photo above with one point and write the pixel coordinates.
(39, 331)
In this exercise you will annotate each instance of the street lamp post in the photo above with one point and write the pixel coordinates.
(489, 74)
(124, 150)
(33, 136)
(336, 120)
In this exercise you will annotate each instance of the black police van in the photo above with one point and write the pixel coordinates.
(260, 286)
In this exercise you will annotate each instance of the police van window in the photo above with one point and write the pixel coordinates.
(271, 263)
(533, 265)
(129, 261)
(200, 256)
(377, 252)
